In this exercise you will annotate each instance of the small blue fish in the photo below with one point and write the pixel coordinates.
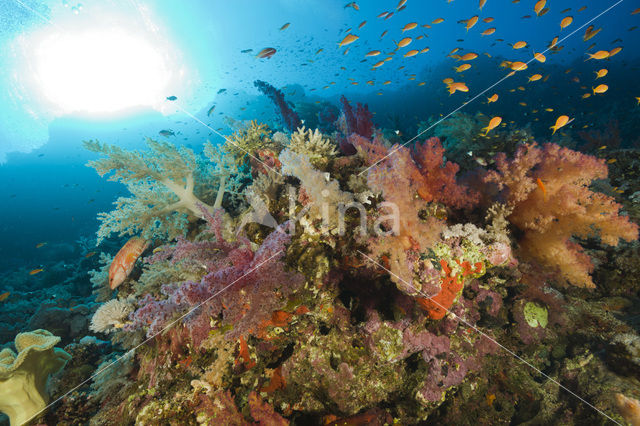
(171, 98)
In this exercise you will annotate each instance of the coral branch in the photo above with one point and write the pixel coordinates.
(288, 115)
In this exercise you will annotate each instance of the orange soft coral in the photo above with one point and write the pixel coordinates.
(408, 180)
(560, 207)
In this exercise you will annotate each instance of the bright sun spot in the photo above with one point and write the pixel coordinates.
(100, 71)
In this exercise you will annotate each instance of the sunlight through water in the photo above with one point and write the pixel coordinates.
(100, 71)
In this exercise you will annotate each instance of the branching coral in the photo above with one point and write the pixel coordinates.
(289, 116)
(313, 145)
(548, 190)
(248, 139)
(326, 197)
(163, 183)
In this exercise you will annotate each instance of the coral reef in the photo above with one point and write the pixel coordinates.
(380, 287)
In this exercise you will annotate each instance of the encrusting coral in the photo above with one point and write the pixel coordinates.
(24, 375)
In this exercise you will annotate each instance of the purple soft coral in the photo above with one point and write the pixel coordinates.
(245, 287)
(358, 122)
(289, 116)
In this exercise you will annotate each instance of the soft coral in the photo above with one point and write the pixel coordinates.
(548, 191)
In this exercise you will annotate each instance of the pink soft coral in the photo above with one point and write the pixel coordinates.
(548, 189)
(409, 181)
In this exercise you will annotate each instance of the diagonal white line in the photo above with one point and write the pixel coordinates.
(171, 324)
(489, 88)
(227, 139)
(35, 12)
(509, 351)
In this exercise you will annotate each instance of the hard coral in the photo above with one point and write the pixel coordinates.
(313, 145)
(548, 190)
(248, 138)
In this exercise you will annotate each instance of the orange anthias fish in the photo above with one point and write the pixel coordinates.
(600, 88)
(350, 38)
(471, 22)
(563, 120)
(614, 51)
(35, 271)
(123, 263)
(600, 54)
(404, 42)
(267, 52)
(566, 22)
(488, 31)
(457, 86)
(540, 57)
(4, 296)
(542, 188)
(495, 122)
(409, 26)
(468, 56)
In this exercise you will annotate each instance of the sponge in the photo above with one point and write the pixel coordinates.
(24, 375)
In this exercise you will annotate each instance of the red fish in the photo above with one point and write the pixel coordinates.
(124, 261)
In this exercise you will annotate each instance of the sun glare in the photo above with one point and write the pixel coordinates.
(100, 71)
